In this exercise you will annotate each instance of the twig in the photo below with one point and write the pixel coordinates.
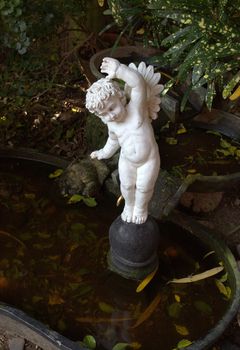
(4, 233)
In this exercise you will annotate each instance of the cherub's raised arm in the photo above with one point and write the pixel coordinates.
(131, 77)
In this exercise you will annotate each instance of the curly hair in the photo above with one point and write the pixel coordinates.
(100, 91)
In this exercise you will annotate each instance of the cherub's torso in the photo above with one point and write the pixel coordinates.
(135, 137)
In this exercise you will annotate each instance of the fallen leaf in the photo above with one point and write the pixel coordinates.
(148, 311)
(199, 276)
(146, 281)
(55, 174)
(182, 330)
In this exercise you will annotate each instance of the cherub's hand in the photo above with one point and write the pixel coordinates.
(98, 154)
(110, 66)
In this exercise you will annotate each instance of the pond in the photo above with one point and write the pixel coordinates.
(53, 265)
(191, 151)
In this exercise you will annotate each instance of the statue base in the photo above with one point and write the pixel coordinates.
(133, 248)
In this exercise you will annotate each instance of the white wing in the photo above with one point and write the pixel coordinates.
(153, 88)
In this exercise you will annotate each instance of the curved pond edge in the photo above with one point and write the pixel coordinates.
(208, 237)
(19, 323)
(32, 154)
(16, 322)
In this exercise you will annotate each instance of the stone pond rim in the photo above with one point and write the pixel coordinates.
(17, 322)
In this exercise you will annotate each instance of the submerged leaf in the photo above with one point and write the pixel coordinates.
(174, 310)
(203, 307)
(148, 311)
(182, 330)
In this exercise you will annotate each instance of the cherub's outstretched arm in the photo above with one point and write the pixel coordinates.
(131, 77)
(108, 150)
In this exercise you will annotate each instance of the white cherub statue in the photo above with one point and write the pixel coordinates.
(128, 116)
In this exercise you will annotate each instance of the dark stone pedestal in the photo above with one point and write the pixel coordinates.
(133, 248)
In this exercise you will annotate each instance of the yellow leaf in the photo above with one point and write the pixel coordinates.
(235, 95)
(181, 130)
(199, 276)
(146, 281)
(181, 330)
(192, 171)
(101, 3)
(171, 140)
(226, 291)
(140, 31)
(177, 298)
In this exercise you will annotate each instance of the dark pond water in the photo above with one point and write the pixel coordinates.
(53, 266)
(198, 151)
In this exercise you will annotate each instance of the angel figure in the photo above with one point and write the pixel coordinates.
(128, 116)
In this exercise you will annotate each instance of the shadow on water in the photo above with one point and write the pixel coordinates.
(53, 266)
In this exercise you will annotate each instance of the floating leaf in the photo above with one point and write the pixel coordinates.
(208, 254)
(182, 330)
(225, 290)
(148, 311)
(183, 343)
(181, 130)
(90, 342)
(75, 199)
(146, 281)
(107, 308)
(171, 140)
(55, 174)
(177, 298)
(90, 201)
(199, 276)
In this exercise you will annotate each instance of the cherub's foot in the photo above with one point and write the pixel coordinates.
(139, 216)
(127, 214)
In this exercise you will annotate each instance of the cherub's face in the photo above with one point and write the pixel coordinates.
(113, 111)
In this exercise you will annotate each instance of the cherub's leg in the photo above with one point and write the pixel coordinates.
(127, 174)
(146, 178)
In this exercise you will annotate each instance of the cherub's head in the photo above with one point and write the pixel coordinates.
(106, 100)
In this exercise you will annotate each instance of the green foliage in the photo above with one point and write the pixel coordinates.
(205, 43)
(204, 39)
(22, 21)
